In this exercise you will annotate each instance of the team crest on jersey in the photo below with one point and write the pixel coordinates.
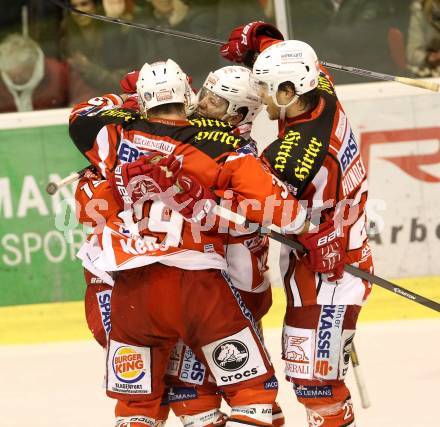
(231, 355)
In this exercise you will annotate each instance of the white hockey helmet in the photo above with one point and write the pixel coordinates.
(161, 83)
(290, 61)
(236, 85)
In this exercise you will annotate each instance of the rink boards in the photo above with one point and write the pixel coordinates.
(39, 323)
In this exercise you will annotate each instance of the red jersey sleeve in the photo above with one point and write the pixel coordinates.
(260, 196)
(94, 202)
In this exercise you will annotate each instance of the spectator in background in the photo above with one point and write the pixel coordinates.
(232, 13)
(195, 17)
(82, 41)
(28, 79)
(37, 19)
(349, 32)
(423, 46)
(358, 35)
(99, 51)
(309, 20)
(126, 41)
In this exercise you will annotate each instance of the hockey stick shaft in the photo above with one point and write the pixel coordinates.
(53, 187)
(272, 231)
(435, 87)
(360, 382)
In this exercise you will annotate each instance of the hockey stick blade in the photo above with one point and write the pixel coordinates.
(272, 232)
(53, 187)
(195, 37)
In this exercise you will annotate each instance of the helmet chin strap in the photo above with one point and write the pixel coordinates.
(284, 107)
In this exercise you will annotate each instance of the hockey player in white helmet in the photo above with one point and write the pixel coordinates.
(316, 155)
(158, 288)
(230, 94)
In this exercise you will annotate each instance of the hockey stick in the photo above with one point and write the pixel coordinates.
(53, 187)
(363, 393)
(273, 232)
(435, 87)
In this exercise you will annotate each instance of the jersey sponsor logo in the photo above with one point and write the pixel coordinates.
(104, 308)
(128, 368)
(231, 355)
(271, 384)
(328, 340)
(239, 376)
(294, 351)
(325, 85)
(179, 394)
(147, 144)
(202, 122)
(307, 161)
(192, 370)
(176, 356)
(290, 140)
(123, 114)
(341, 126)
(298, 352)
(219, 136)
(235, 358)
(139, 246)
(250, 148)
(127, 152)
(348, 151)
(353, 177)
(313, 392)
(208, 248)
(128, 365)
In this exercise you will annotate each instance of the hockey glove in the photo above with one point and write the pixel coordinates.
(146, 178)
(243, 43)
(128, 82)
(325, 251)
(193, 201)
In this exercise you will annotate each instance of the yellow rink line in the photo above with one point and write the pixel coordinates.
(38, 323)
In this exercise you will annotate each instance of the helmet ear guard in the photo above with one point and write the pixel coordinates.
(161, 83)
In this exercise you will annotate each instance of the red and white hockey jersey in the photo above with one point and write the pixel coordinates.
(108, 136)
(318, 158)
